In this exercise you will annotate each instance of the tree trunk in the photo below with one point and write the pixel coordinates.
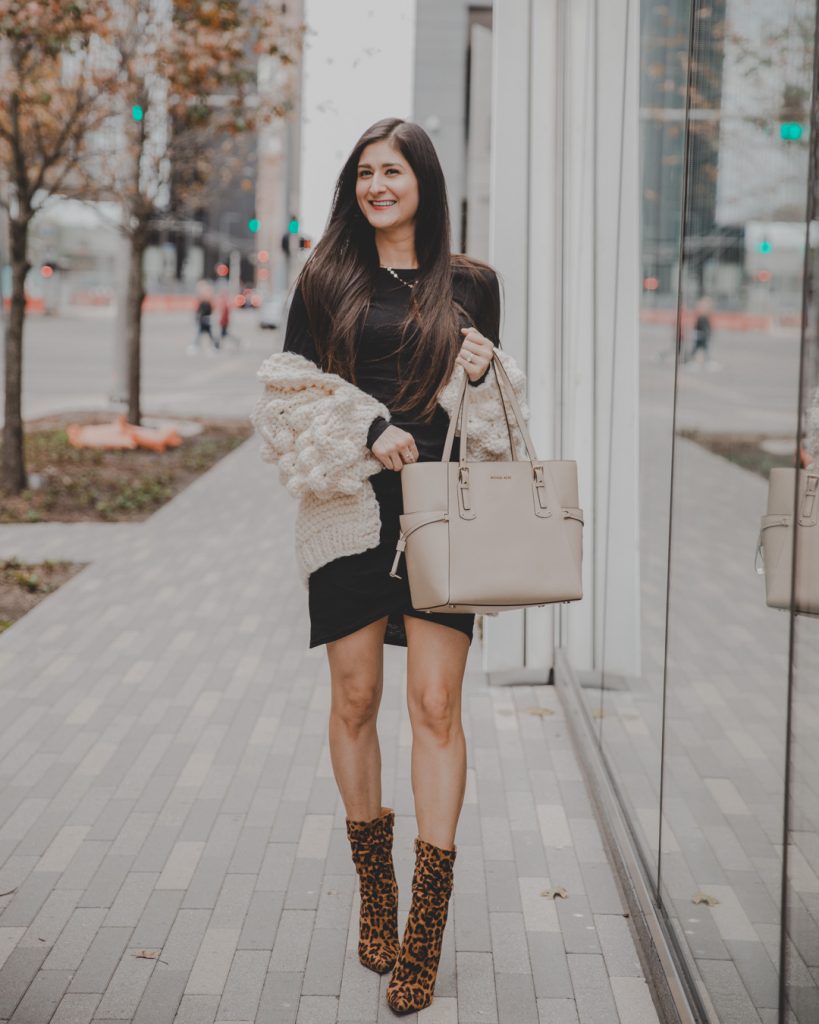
(133, 327)
(12, 468)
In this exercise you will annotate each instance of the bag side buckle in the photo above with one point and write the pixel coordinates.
(464, 497)
(541, 507)
(807, 514)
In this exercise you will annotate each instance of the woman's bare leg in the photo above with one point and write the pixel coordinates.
(436, 660)
(357, 680)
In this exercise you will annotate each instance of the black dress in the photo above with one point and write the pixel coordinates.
(355, 590)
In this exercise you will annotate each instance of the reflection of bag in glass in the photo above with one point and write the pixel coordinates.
(775, 547)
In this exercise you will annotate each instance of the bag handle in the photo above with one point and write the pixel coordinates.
(461, 415)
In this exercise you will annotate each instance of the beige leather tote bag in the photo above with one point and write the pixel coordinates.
(490, 536)
(774, 557)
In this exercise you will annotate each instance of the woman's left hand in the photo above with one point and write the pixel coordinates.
(476, 353)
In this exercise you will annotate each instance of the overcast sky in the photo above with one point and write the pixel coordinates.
(358, 68)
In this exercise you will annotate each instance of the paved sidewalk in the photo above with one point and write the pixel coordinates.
(172, 844)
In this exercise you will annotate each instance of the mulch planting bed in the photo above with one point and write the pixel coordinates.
(92, 485)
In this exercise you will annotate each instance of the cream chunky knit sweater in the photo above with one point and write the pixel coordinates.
(315, 424)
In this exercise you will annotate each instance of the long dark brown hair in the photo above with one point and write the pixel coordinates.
(338, 279)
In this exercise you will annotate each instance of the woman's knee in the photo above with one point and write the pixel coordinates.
(436, 709)
(355, 698)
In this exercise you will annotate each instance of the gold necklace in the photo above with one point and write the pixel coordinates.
(407, 284)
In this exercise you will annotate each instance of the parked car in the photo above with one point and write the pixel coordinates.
(273, 312)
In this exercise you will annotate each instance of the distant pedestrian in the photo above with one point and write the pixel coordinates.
(224, 320)
(204, 312)
(702, 329)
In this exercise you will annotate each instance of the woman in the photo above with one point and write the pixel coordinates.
(383, 322)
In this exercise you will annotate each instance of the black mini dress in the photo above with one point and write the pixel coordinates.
(355, 590)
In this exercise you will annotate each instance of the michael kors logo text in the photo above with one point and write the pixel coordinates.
(505, 477)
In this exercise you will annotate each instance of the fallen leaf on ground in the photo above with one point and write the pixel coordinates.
(703, 897)
(554, 893)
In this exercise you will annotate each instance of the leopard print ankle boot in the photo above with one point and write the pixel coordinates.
(413, 977)
(371, 843)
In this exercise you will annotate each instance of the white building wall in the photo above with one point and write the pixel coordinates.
(565, 237)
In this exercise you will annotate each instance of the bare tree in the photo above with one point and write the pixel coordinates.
(57, 82)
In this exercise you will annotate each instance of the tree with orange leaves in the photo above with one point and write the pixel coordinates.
(57, 83)
(188, 75)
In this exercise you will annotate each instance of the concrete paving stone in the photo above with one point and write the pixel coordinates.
(100, 961)
(62, 848)
(84, 865)
(360, 991)
(107, 880)
(317, 1010)
(728, 994)
(633, 1000)
(125, 989)
(592, 990)
(530, 857)
(335, 901)
(196, 1010)
(263, 806)
(248, 854)
(158, 846)
(180, 865)
(131, 899)
(261, 921)
(133, 833)
(471, 921)
(206, 881)
(315, 837)
(287, 824)
(502, 893)
(497, 839)
(509, 948)
(516, 998)
(539, 912)
(277, 866)
(200, 820)
(243, 988)
(180, 949)
(304, 886)
(9, 939)
(52, 918)
(76, 1008)
(16, 974)
(30, 896)
(156, 920)
(210, 969)
(550, 966)
(292, 941)
(617, 944)
(280, 997)
(234, 899)
(74, 939)
(601, 888)
(325, 962)
(477, 1000)
(162, 996)
(557, 1011)
(42, 998)
(564, 871)
(469, 826)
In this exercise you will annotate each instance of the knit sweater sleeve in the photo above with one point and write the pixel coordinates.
(314, 425)
(488, 439)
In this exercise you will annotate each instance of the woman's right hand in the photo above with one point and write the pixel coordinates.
(394, 448)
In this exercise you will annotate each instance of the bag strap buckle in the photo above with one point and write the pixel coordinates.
(541, 506)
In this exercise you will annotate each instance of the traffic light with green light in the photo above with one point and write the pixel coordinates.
(254, 224)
